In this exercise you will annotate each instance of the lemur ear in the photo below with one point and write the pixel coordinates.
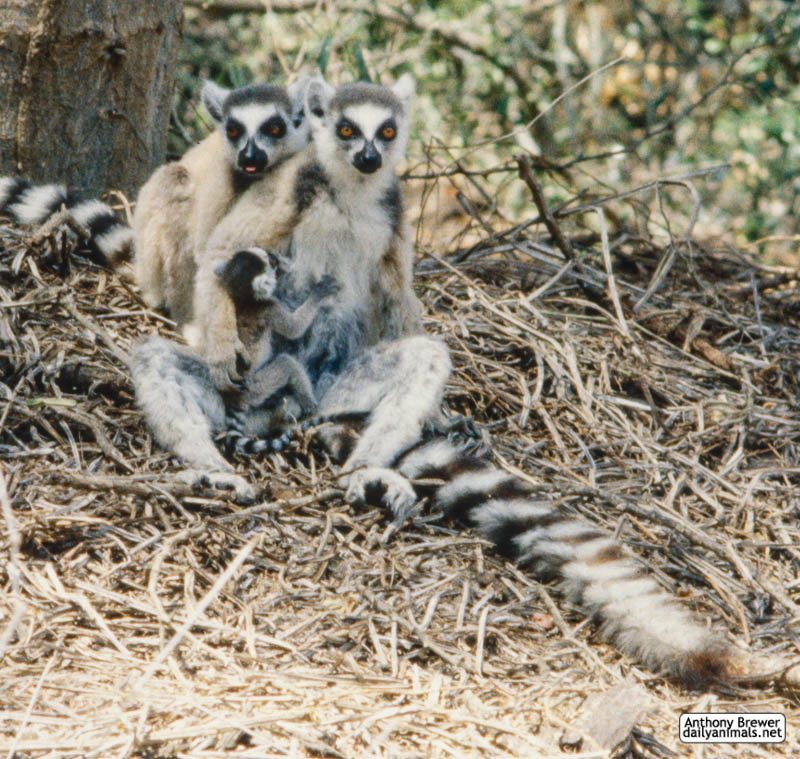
(404, 89)
(213, 97)
(318, 98)
(297, 91)
(221, 269)
(297, 97)
(267, 257)
(273, 259)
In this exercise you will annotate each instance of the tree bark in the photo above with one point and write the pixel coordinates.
(86, 89)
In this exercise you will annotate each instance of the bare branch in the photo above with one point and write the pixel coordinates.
(526, 175)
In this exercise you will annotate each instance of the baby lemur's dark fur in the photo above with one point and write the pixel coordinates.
(249, 277)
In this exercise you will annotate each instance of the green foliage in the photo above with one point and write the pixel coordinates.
(698, 83)
(324, 55)
(361, 66)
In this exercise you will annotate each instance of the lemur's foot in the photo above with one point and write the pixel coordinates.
(378, 486)
(455, 427)
(243, 491)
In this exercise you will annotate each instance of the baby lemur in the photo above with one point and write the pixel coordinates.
(249, 277)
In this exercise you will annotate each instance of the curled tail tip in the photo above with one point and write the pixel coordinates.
(713, 663)
(670, 641)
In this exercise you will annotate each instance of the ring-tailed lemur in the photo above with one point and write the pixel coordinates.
(338, 212)
(257, 128)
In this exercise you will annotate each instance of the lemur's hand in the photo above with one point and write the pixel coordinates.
(227, 365)
(225, 376)
(325, 287)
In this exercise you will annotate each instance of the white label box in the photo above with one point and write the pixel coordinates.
(744, 727)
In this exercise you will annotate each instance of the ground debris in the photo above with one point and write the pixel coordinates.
(670, 417)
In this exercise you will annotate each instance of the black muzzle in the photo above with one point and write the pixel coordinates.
(252, 160)
(367, 160)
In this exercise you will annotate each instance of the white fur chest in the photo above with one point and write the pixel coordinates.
(345, 239)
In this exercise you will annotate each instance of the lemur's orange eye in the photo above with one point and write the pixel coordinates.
(346, 131)
(233, 132)
(274, 127)
(388, 132)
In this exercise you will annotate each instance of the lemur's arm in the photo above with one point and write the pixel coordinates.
(395, 309)
(253, 221)
(216, 333)
(294, 324)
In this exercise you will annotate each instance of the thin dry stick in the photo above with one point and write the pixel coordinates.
(34, 698)
(651, 185)
(479, 643)
(171, 490)
(612, 283)
(216, 589)
(525, 173)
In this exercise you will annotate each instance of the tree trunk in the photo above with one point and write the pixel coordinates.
(86, 89)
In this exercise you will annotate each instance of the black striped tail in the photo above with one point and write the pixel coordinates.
(27, 203)
(633, 612)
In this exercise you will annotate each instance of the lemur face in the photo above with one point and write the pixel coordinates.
(362, 125)
(249, 277)
(263, 124)
(365, 133)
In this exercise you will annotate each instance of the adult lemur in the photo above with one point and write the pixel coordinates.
(257, 127)
(336, 210)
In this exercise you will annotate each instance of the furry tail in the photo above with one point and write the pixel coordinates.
(27, 203)
(633, 612)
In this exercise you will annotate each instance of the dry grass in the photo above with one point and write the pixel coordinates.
(141, 620)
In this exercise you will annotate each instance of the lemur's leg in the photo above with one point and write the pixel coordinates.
(281, 371)
(401, 385)
(184, 410)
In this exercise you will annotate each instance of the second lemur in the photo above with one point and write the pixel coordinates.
(257, 128)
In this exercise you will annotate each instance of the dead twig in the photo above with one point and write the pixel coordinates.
(525, 173)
